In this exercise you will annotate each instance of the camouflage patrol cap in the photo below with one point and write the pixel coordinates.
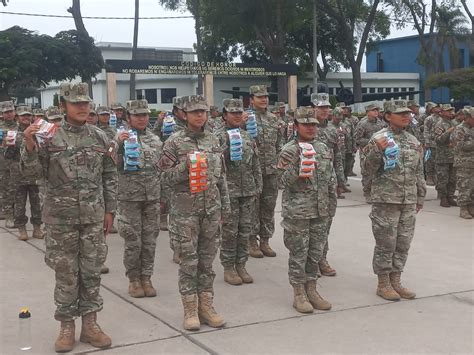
(233, 105)
(7, 106)
(103, 110)
(372, 107)
(305, 115)
(117, 106)
(178, 102)
(412, 103)
(470, 112)
(446, 107)
(137, 107)
(279, 104)
(194, 103)
(398, 106)
(38, 112)
(290, 111)
(338, 112)
(75, 92)
(213, 108)
(54, 113)
(466, 110)
(258, 90)
(341, 105)
(24, 110)
(320, 99)
(92, 107)
(272, 109)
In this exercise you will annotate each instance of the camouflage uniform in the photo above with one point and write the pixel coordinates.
(344, 141)
(81, 184)
(139, 201)
(428, 134)
(110, 131)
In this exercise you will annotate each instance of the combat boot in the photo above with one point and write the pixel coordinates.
(231, 276)
(430, 180)
(147, 286)
(91, 332)
(104, 269)
(9, 222)
(464, 213)
(452, 201)
(37, 232)
(471, 210)
(244, 275)
(190, 305)
(385, 289)
(395, 280)
(176, 258)
(326, 269)
(207, 313)
(164, 222)
(315, 298)
(345, 189)
(23, 234)
(265, 248)
(300, 300)
(66, 338)
(254, 250)
(135, 288)
(444, 202)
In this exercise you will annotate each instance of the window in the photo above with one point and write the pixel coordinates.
(372, 90)
(396, 89)
(236, 95)
(139, 94)
(167, 95)
(404, 89)
(364, 90)
(151, 96)
(331, 91)
(379, 90)
(388, 89)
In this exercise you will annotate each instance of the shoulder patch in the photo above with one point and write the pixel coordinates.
(167, 160)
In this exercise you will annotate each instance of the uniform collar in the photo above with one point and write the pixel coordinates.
(193, 134)
(72, 128)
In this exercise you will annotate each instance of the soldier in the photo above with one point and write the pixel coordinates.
(103, 122)
(428, 134)
(268, 143)
(307, 177)
(25, 185)
(79, 207)
(7, 188)
(345, 132)
(414, 127)
(215, 121)
(463, 141)
(139, 198)
(445, 171)
(350, 121)
(197, 207)
(289, 126)
(38, 113)
(244, 181)
(394, 163)
(54, 115)
(92, 119)
(119, 111)
(364, 130)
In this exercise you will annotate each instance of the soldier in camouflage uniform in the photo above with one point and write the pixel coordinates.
(215, 121)
(462, 139)
(103, 113)
(244, 181)
(195, 217)
(139, 201)
(92, 119)
(79, 207)
(308, 202)
(119, 111)
(428, 134)
(414, 127)
(345, 141)
(38, 113)
(397, 194)
(348, 125)
(269, 144)
(445, 171)
(54, 115)
(364, 130)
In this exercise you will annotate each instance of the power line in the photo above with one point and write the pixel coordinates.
(97, 17)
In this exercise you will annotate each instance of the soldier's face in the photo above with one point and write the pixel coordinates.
(139, 121)
(436, 110)
(25, 119)
(322, 112)
(347, 112)
(336, 119)
(282, 111)
(214, 114)
(306, 131)
(196, 120)
(398, 120)
(446, 114)
(77, 112)
(92, 118)
(9, 115)
(234, 119)
(179, 114)
(373, 113)
(119, 113)
(259, 102)
(415, 109)
(57, 123)
(104, 118)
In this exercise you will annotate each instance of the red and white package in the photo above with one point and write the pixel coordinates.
(307, 160)
(10, 138)
(46, 131)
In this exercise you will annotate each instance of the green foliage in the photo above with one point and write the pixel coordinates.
(458, 81)
(56, 99)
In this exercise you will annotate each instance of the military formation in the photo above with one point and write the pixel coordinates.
(212, 180)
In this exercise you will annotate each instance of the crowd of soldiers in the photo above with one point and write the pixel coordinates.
(212, 180)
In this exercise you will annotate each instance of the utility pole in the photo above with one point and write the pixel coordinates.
(315, 48)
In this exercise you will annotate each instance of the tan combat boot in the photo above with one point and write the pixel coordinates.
(244, 275)
(135, 288)
(147, 286)
(231, 276)
(254, 250)
(164, 222)
(300, 300)
(444, 202)
(66, 338)
(190, 305)
(464, 213)
(385, 289)
(452, 201)
(430, 180)
(104, 269)
(315, 298)
(176, 258)
(265, 248)
(91, 332)
(207, 313)
(23, 234)
(395, 280)
(325, 268)
(37, 232)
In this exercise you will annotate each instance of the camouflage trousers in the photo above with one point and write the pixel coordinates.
(430, 165)
(139, 226)
(76, 254)
(236, 231)
(446, 179)
(326, 245)
(305, 239)
(197, 237)
(348, 164)
(465, 186)
(22, 193)
(393, 226)
(266, 207)
(7, 193)
(365, 178)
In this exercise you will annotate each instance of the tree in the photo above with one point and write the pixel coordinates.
(134, 48)
(469, 14)
(458, 81)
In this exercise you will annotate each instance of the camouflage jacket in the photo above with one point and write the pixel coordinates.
(348, 125)
(78, 165)
(179, 126)
(442, 138)
(6, 126)
(428, 130)
(328, 135)
(306, 198)
(13, 155)
(364, 131)
(268, 141)
(405, 184)
(143, 184)
(244, 178)
(174, 167)
(215, 124)
(110, 131)
(344, 137)
(463, 140)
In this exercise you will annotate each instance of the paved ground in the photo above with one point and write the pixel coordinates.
(260, 317)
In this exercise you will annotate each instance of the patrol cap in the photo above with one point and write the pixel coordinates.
(279, 104)
(92, 107)
(54, 113)
(305, 115)
(341, 105)
(103, 110)
(117, 106)
(320, 99)
(75, 92)
(290, 111)
(338, 112)
(137, 107)
(178, 102)
(372, 107)
(24, 110)
(466, 110)
(233, 105)
(471, 112)
(429, 105)
(194, 103)
(398, 106)
(7, 106)
(446, 107)
(412, 103)
(213, 108)
(258, 90)
(272, 109)
(38, 112)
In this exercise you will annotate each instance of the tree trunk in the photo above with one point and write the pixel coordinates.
(134, 49)
(197, 29)
(4, 96)
(357, 82)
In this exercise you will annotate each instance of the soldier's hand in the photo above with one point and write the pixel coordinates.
(29, 134)
(245, 116)
(382, 143)
(123, 136)
(108, 223)
(419, 208)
